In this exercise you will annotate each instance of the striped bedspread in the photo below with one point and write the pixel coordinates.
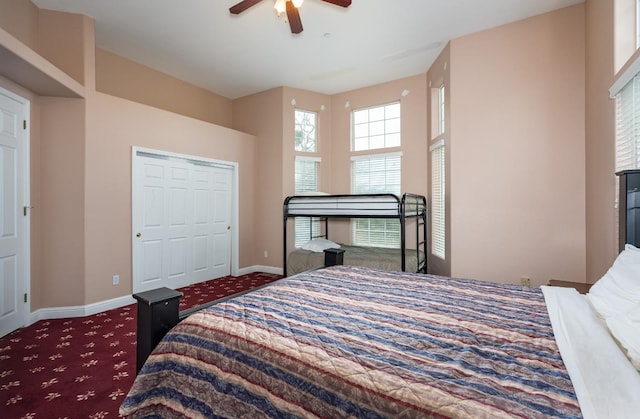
(356, 342)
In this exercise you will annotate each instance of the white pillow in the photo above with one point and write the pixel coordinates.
(618, 291)
(625, 328)
(319, 245)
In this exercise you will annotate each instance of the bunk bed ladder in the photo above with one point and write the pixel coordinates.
(421, 224)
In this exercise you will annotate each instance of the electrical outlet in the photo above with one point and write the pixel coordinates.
(116, 279)
(525, 281)
(266, 254)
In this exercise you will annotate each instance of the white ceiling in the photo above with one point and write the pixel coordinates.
(372, 41)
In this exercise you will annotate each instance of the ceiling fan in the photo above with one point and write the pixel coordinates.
(289, 6)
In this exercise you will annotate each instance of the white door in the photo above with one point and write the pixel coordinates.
(14, 215)
(212, 209)
(181, 222)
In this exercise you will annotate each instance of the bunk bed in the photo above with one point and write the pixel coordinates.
(388, 206)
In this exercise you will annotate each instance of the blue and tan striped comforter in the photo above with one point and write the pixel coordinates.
(356, 342)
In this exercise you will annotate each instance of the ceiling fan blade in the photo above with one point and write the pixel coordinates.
(343, 3)
(294, 18)
(242, 6)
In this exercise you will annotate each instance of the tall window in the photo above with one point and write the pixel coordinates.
(376, 128)
(437, 199)
(306, 171)
(438, 166)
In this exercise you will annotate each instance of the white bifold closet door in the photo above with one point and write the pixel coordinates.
(181, 222)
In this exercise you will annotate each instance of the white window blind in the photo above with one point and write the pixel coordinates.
(376, 174)
(438, 219)
(306, 172)
(628, 126)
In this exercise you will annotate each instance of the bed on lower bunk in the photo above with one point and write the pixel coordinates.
(347, 341)
(407, 209)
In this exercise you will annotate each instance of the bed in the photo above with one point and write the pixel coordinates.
(408, 207)
(348, 341)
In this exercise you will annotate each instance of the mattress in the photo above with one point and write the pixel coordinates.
(349, 341)
(373, 257)
(384, 205)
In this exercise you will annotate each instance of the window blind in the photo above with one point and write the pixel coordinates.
(438, 199)
(628, 126)
(376, 174)
(306, 180)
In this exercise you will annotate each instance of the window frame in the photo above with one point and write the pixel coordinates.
(386, 122)
(306, 229)
(314, 131)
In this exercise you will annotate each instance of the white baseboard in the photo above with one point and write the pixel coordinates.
(80, 311)
(95, 308)
(260, 268)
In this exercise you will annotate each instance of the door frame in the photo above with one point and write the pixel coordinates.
(166, 155)
(25, 172)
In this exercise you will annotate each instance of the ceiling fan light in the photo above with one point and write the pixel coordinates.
(280, 6)
(297, 3)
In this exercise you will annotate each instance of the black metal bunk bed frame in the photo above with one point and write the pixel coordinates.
(409, 206)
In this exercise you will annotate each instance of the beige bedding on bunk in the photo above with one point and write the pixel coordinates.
(372, 257)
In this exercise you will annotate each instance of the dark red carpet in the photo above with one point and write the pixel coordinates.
(83, 367)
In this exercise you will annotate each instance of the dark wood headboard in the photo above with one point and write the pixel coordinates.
(629, 208)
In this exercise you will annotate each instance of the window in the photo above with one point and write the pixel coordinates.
(628, 126)
(438, 165)
(306, 172)
(438, 199)
(306, 131)
(376, 174)
(376, 127)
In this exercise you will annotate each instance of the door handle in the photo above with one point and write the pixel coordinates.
(139, 235)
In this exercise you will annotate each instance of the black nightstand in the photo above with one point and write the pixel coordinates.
(333, 257)
(158, 312)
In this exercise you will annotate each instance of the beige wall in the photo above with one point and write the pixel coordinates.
(115, 125)
(61, 40)
(127, 79)
(262, 115)
(528, 212)
(601, 219)
(517, 150)
(61, 210)
(20, 19)
(81, 165)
